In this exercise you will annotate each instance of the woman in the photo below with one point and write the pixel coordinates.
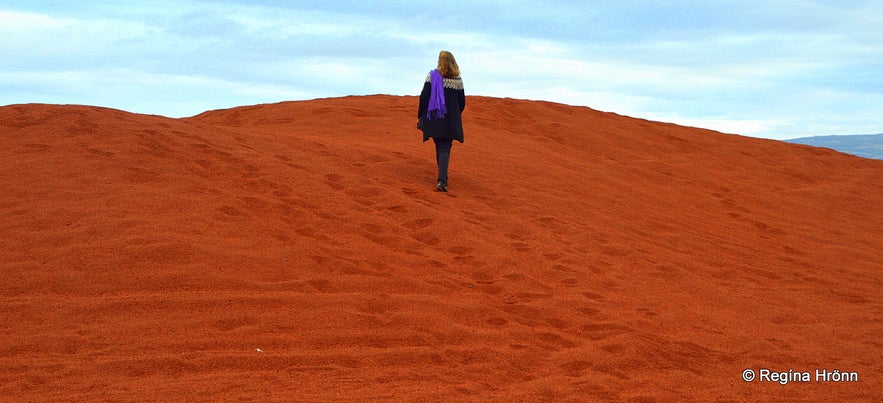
(441, 103)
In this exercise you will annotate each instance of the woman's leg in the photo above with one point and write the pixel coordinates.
(443, 158)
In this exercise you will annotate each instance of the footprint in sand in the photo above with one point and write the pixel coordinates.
(600, 331)
(522, 247)
(553, 341)
(333, 181)
(460, 250)
(397, 209)
(593, 296)
(419, 224)
(228, 213)
(570, 282)
(426, 238)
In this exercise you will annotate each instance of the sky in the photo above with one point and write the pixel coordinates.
(775, 69)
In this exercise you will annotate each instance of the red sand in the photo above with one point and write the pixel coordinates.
(580, 255)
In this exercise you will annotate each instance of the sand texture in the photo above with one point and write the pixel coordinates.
(298, 252)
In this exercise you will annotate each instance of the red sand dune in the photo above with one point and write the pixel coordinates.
(297, 251)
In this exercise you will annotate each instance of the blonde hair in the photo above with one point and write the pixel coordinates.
(447, 65)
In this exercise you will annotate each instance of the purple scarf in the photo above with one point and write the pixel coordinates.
(437, 107)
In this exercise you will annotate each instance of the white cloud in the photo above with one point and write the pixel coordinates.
(166, 94)
(781, 68)
(17, 22)
(724, 124)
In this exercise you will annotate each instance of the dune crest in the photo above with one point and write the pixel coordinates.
(298, 251)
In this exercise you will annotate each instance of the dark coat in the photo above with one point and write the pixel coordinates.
(451, 127)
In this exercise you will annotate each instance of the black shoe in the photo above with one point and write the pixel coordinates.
(441, 187)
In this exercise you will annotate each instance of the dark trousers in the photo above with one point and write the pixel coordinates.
(443, 158)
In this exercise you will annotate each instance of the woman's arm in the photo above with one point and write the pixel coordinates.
(424, 100)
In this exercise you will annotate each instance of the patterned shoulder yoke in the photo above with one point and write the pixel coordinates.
(455, 83)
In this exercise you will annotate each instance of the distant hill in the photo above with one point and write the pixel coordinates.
(863, 145)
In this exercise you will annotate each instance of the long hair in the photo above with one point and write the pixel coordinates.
(447, 65)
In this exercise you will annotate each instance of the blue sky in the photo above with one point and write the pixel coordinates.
(771, 68)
